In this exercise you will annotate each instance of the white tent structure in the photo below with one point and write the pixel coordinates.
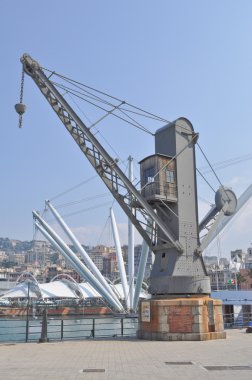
(59, 289)
(22, 290)
(88, 291)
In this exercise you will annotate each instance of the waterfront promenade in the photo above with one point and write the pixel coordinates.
(129, 359)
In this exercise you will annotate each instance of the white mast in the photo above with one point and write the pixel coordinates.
(88, 261)
(57, 247)
(141, 270)
(78, 264)
(140, 275)
(131, 261)
(120, 259)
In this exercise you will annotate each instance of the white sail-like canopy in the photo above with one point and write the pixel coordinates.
(60, 289)
(21, 290)
(55, 289)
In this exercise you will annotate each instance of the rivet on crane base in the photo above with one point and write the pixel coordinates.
(21, 107)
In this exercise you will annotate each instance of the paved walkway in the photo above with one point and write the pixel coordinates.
(129, 359)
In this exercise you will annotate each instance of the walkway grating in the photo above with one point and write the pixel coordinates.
(179, 363)
(93, 370)
(228, 367)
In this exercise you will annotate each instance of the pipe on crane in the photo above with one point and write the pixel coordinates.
(78, 264)
(88, 261)
(141, 270)
(131, 253)
(120, 258)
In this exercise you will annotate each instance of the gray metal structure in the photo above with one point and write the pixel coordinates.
(225, 203)
(223, 219)
(177, 272)
(106, 167)
(174, 236)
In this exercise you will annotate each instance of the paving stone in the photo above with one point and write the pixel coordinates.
(128, 359)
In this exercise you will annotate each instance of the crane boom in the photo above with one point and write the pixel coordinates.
(168, 204)
(106, 167)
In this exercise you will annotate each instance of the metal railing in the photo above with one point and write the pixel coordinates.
(59, 329)
(236, 320)
(167, 191)
(12, 330)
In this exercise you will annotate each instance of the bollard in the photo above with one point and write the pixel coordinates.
(43, 338)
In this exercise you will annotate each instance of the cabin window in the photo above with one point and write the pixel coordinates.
(170, 177)
(149, 175)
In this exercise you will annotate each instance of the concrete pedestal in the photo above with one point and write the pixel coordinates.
(181, 319)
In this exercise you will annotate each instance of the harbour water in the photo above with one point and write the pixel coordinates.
(22, 330)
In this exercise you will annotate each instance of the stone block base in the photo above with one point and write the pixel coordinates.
(181, 319)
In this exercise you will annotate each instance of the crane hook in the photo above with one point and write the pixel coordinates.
(21, 107)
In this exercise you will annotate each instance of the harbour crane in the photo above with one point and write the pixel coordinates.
(165, 211)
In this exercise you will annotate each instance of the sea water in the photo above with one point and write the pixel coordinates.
(21, 330)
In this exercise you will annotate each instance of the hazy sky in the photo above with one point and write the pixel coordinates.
(173, 58)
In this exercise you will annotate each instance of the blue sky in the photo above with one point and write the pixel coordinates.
(173, 58)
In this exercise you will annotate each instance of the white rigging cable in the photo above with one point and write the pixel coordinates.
(73, 187)
(123, 110)
(98, 131)
(89, 94)
(226, 163)
(134, 124)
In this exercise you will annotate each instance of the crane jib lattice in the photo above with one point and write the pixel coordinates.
(134, 205)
